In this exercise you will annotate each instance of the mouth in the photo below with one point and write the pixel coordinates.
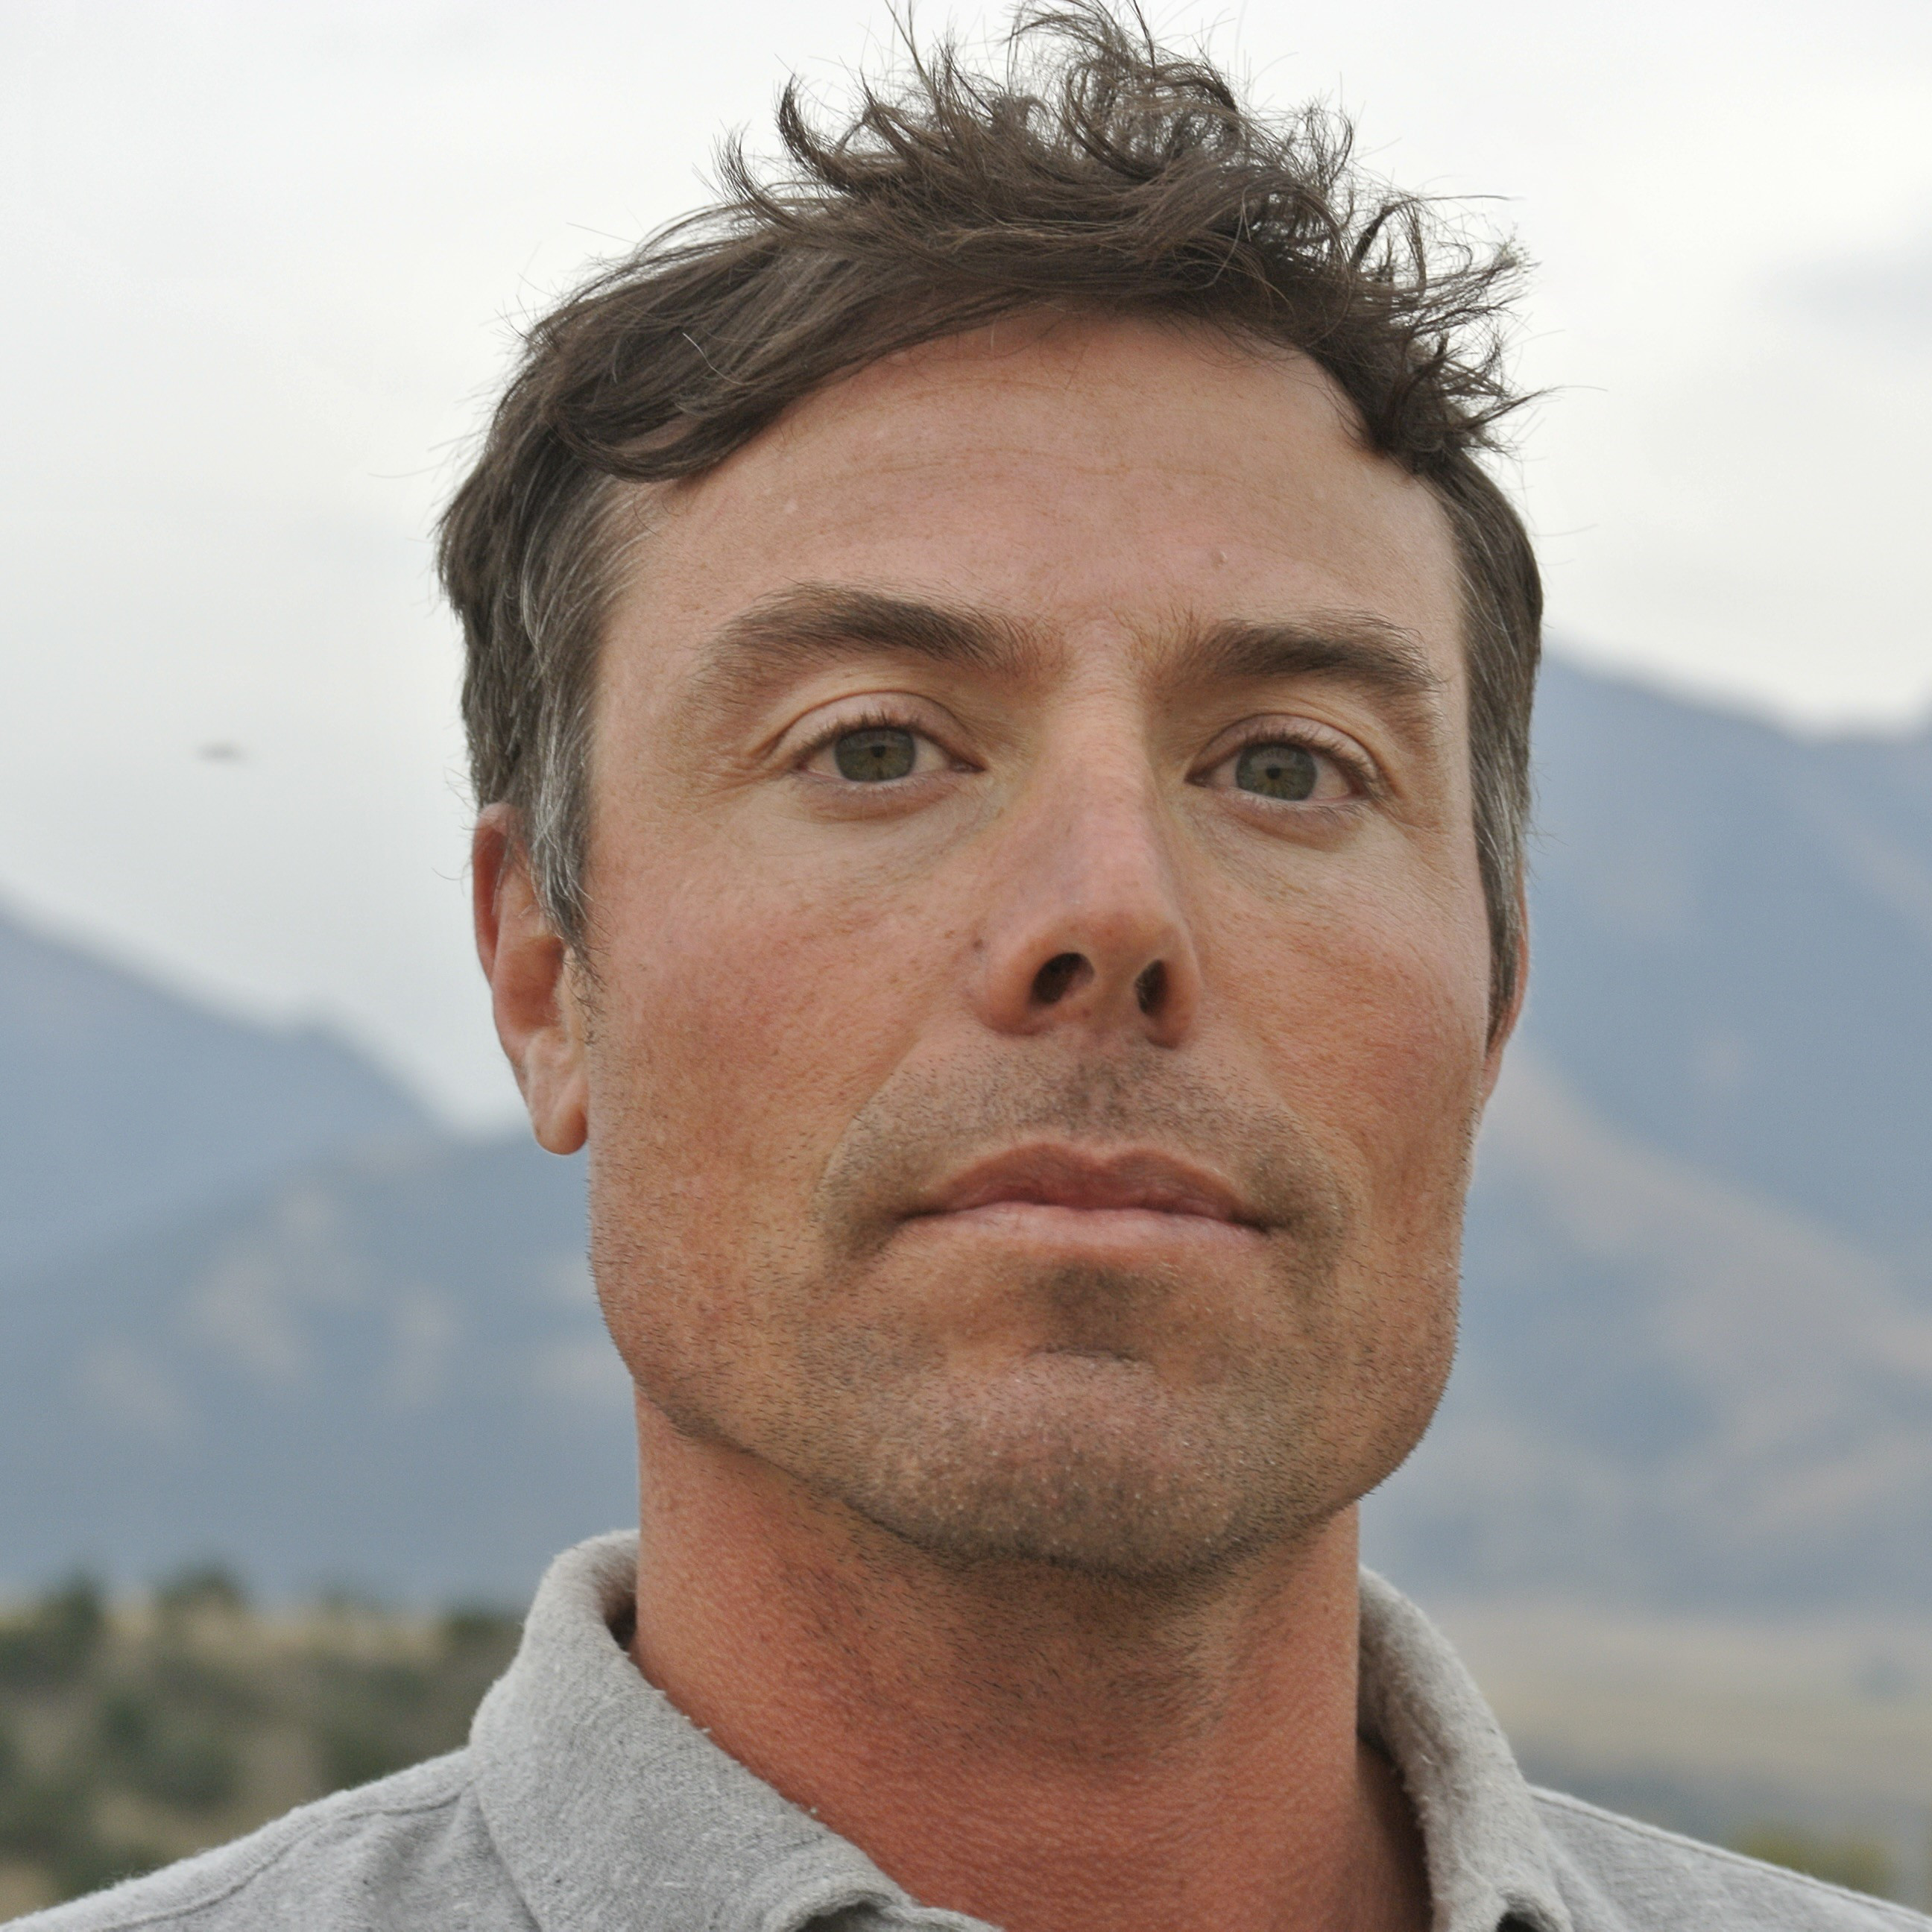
(1069, 1181)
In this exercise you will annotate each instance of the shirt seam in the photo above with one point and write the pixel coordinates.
(293, 1842)
(1723, 1854)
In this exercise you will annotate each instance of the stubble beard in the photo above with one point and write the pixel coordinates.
(1089, 1455)
(1090, 1462)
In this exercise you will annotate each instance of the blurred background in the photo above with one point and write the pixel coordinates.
(300, 1381)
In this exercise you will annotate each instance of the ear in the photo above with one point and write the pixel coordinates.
(1493, 1062)
(533, 983)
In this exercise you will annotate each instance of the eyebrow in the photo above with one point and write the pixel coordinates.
(809, 625)
(1387, 660)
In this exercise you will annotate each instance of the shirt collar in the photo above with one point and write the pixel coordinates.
(614, 1814)
(1488, 1855)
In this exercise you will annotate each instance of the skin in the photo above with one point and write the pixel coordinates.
(1027, 1192)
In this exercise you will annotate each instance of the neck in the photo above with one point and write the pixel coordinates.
(1044, 1750)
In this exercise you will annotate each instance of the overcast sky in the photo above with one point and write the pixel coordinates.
(265, 262)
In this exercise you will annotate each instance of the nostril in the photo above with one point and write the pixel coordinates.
(1150, 989)
(1059, 976)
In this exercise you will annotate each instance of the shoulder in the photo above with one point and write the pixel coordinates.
(1618, 1875)
(410, 1851)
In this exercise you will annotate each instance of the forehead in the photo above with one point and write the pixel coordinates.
(1104, 480)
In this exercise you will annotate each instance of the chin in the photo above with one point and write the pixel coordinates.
(1090, 1462)
(1135, 1445)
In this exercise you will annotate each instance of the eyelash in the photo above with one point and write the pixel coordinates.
(874, 718)
(1354, 765)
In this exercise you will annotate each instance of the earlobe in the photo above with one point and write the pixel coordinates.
(533, 993)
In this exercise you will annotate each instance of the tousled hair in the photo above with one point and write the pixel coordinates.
(1100, 174)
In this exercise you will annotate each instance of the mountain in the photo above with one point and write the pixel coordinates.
(1733, 929)
(1669, 1390)
(384, 1371)
(1696, 1359)
(126, 1103)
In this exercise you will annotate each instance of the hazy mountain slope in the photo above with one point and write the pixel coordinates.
(125, 1103)
(1733, 948)
(1668, 1389)
(387, 1370)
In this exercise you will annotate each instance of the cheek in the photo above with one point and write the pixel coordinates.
(746, 1015)
(1371, 1006)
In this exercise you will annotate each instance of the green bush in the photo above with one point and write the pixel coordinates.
(85, 1863)
(374, 1720)
(43, 1820)
(1846, 1858)
(474, 1630)
(144, 1745)
(126, 1741)
(207, 1588)
(57, 1640)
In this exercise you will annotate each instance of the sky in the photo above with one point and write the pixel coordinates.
(266, 262)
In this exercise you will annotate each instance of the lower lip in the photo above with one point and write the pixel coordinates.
(1037, 1224)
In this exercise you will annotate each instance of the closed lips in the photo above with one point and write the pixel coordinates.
(1146, 1182)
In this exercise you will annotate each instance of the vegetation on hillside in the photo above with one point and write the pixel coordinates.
(1851, 1859)
(131, 1736)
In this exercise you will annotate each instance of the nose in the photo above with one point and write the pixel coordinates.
(1087, 927)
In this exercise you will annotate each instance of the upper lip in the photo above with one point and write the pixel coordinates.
(1065, 1177)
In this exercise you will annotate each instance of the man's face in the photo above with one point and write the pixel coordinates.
(1040, 970)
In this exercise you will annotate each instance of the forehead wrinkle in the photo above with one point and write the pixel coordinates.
(806, 627)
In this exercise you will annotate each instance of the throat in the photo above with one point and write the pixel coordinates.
(1043, 1750)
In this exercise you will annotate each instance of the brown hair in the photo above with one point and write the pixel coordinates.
(1102, 173)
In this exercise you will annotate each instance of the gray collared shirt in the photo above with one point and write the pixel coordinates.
(586, 1802)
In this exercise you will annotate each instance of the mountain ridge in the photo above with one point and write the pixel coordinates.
(129, 1103)
(1732, 930)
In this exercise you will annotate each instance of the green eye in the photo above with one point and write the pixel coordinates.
(878, 752)
(1278, 771)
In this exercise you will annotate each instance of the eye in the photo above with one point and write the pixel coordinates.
(1286, 770)
(876, 755)
(1278, 771)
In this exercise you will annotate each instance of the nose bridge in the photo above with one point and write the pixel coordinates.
(1103, 829)
(1087, 920)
